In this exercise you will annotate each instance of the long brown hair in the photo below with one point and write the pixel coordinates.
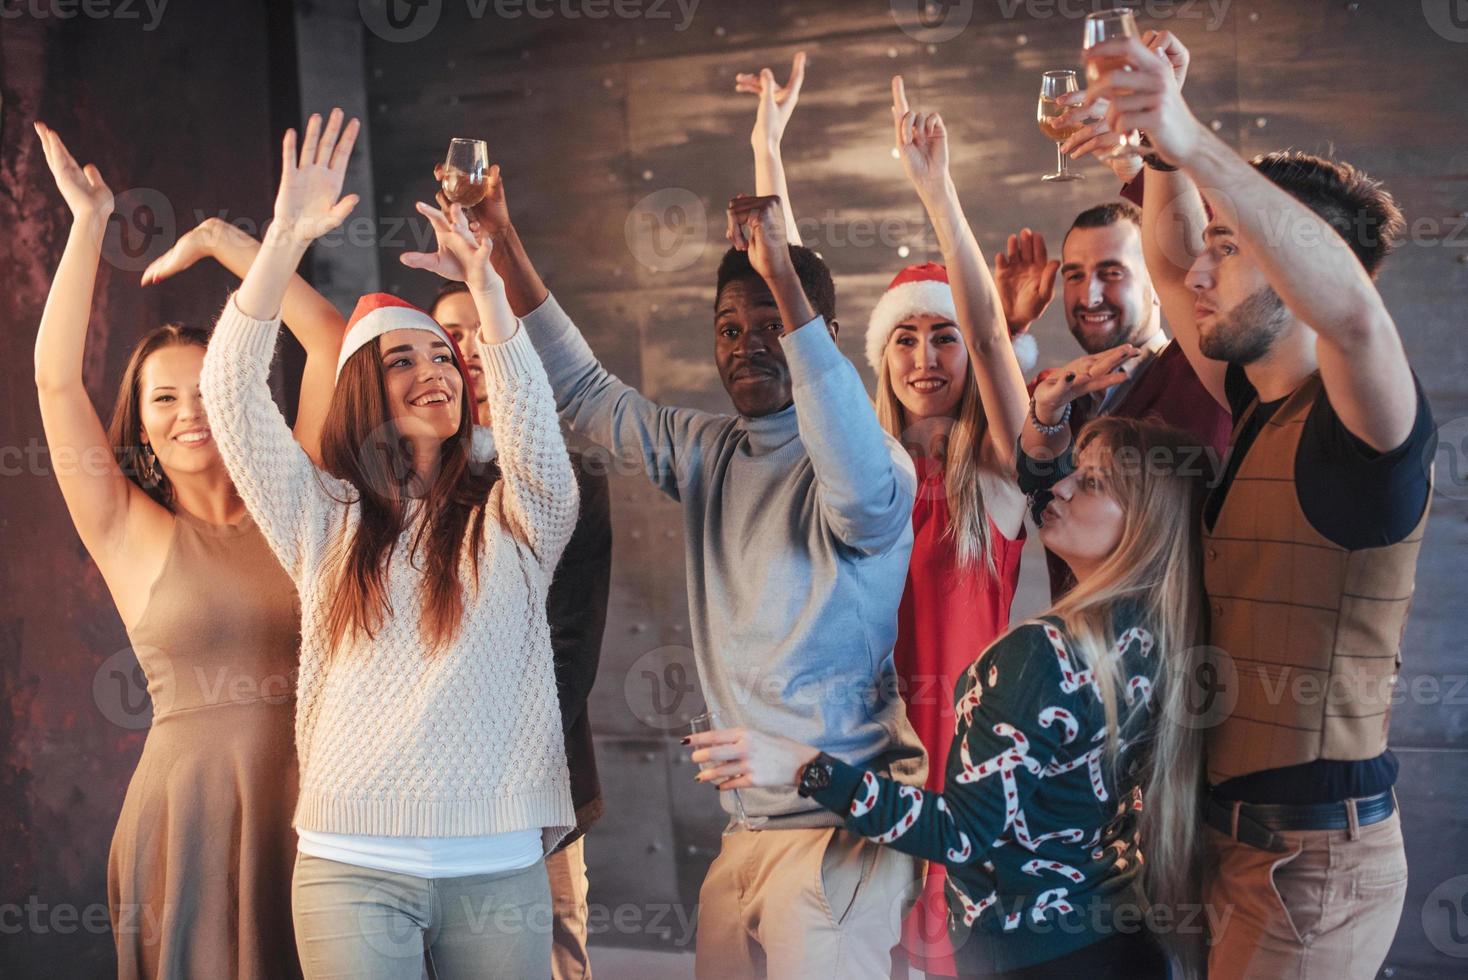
(361, 445)
(968, 524)
(125, 430)
(1157, 568)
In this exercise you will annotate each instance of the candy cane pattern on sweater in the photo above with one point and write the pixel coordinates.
(1053, 898)
(965, 851)
(866, 797)
(1038, 867)
(1004, 764)
(904, 824)
(971, 909)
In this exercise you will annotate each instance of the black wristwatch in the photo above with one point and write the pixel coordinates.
(1151, 160)
(816, 775)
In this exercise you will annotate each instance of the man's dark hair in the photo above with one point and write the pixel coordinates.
(815, 278)
(1355, 205)
(1105, 215)
(448, 288)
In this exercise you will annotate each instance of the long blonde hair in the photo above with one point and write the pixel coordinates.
(968, 524)
(1157, 568)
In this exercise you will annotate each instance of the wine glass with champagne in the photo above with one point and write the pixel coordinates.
(465, 178)
(1102, 26)
(1053, 121)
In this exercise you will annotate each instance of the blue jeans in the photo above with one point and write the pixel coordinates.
(379, 925)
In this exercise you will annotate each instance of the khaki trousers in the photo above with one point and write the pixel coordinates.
(803, 904)
(1326, 909)
(566, 870)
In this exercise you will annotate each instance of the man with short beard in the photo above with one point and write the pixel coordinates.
(1311, 539)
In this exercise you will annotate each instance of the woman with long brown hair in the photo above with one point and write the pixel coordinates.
(433, 773)
(199, 872)
(1066, 725)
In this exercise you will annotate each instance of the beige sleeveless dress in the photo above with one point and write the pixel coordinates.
(199, 876)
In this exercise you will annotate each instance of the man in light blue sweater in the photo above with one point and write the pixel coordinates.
(797, 519)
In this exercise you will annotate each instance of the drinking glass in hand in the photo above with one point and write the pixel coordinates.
(1104, 26)
(706, 723)
(1054, 85)
(465, 172)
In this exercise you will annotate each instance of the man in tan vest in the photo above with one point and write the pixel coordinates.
(1311, 537)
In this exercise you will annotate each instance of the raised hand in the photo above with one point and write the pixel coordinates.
(1024, 274)
(83, 188)
(198, 243)
(1147, 98)
(462, 255)
(776, 103)
(1096, 137)
(757, 226)
(306, 206)
(1086, 374)
(491, 216)
(922, 141)
(1166, 44)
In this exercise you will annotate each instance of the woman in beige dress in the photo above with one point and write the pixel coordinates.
(199, 874)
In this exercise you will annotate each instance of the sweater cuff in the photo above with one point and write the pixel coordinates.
(837, 796)
(250, 337)
(513, 358)
(811, 351)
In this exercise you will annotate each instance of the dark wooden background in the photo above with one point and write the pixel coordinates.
(621, 139)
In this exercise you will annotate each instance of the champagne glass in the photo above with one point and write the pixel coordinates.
(1104, 26)
(1053, 85)
(706, 723)
(465, 178)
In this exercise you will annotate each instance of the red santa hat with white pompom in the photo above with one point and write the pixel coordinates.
(376, 314)
(923, 290)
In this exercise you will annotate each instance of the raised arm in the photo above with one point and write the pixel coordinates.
(102, 501)
(1303, 259)
(273, 474)
(593, 401)
(922, 140)
(306, 313)
(776, 105)
(540, 494)
(865, 481)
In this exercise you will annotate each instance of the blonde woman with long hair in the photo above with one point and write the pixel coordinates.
(1065, 724)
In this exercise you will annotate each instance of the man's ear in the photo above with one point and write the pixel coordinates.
(834, 326)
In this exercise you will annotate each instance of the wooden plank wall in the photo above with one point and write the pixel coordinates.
(613, 132)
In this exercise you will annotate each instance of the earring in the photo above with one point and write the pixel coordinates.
(150, 467)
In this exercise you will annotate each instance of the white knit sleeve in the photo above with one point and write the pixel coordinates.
(540, 493)
(279, 484)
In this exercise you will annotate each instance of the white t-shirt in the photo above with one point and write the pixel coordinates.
(427, 857)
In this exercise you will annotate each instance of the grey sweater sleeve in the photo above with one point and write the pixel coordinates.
(865, 480)
(599, 406)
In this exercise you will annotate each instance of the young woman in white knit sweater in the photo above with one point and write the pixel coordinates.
(433, 774)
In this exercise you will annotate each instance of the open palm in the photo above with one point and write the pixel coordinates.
(462, 255)
(1024, 274)
(922, 140)
(307, 205)
(83, 188)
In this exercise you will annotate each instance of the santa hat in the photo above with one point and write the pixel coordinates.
(923, 290)
(376, 314)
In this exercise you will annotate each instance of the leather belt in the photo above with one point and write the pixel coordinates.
(1259, 824)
